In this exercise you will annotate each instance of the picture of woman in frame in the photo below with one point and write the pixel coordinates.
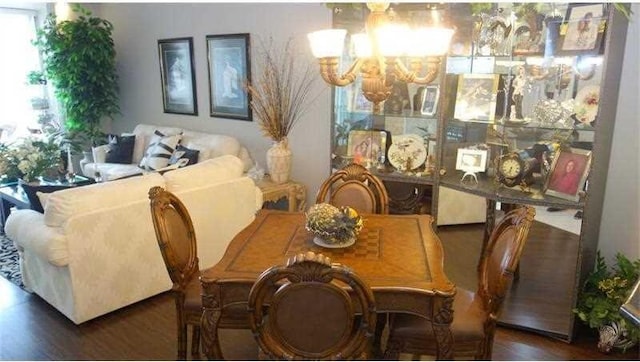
(582, 28)
(568, 174)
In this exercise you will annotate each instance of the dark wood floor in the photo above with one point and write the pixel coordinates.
(30, 329)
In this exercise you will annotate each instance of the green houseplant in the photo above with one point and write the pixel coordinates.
(603, 292)
(79, 59)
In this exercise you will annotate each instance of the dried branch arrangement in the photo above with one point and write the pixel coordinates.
(280, 96)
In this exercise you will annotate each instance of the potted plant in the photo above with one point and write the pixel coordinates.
(604, 291)
(279, 98)
(79, 60)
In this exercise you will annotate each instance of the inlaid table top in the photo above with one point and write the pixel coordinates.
(392, 251)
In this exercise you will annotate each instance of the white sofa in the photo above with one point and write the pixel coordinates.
(209, 145)
(94, 249)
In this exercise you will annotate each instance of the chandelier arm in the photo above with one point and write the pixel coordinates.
(412, 76)
(329, 71)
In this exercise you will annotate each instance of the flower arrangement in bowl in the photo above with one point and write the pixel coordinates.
(333, 227)
(29, 158)
(604, 291)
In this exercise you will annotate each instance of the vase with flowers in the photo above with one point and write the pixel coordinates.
(279, 98)
(28, 159)
(333, 227)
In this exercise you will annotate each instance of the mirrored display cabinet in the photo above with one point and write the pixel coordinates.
(521, 111)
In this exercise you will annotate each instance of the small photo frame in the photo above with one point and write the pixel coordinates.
(178, 76)
(229, 71)
(358, 102)
(430, 98)
(568, 174)
(583, 30)
(471, 160)
(476, 97)
(366, 146)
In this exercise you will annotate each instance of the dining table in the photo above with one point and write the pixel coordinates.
(400, 257)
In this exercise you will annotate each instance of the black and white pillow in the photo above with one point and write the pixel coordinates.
(120, 149)
(184, 152)
(159, 152)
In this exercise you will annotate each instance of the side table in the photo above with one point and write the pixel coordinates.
(294, 192)
(11, 196)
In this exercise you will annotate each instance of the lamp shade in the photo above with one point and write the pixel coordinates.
(362, 45)
(327, 43)
(392, 39)
(429, 42)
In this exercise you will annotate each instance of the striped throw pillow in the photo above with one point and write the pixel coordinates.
(159, 152)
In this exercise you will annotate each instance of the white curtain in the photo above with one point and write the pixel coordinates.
(17, 58)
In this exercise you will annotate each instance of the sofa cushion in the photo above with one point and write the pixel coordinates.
(184, 152)
(112, 171)
(120, 149)
(159, 151)
(144, 133)
(204, 173)
(211, 145)
(63, 205)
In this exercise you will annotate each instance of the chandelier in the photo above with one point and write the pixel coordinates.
(379, 53)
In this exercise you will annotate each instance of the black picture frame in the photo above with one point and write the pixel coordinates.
(582, 32)
(229, 70)
(177, 73)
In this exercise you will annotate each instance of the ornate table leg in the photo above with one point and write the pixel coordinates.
(210, 317)
(442, 318)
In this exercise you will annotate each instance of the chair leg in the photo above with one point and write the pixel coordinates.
(182, 342)
(392, 352)
(195, 343)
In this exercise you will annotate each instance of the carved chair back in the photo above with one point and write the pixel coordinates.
(304, 310)
(356, 187)
(175, 235)
(502, 256)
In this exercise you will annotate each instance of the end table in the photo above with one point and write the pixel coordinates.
(294, 192)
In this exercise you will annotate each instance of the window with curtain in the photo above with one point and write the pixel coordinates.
(18, 117)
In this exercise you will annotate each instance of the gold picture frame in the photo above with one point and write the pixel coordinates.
(366, 146)
(568, 174)
(476, 97)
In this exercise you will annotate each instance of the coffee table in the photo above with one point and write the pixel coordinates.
(14, 195)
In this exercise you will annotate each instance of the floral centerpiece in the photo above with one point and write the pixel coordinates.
(602, 295)
(29, 158)
(334, 225)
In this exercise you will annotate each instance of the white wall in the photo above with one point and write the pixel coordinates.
(620, 227)
(137, 28)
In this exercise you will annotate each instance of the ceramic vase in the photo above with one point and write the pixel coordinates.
(279, 162)
(613, 335)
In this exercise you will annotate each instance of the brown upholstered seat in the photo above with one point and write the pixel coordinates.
(302, 311)
(356, 187)
(177, 241)
(474, 314)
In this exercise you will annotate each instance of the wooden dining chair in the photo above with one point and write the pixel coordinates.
(304, 311)
(355, 186)
(474, 314)
(178, 244)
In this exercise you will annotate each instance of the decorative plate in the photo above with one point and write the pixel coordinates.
(407, 152)
(586, 106)
(320, 242)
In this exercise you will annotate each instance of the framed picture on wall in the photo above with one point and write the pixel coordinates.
(229, 71)
(583, 30)
(476, 97)
(568, 174)
(178, 76)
